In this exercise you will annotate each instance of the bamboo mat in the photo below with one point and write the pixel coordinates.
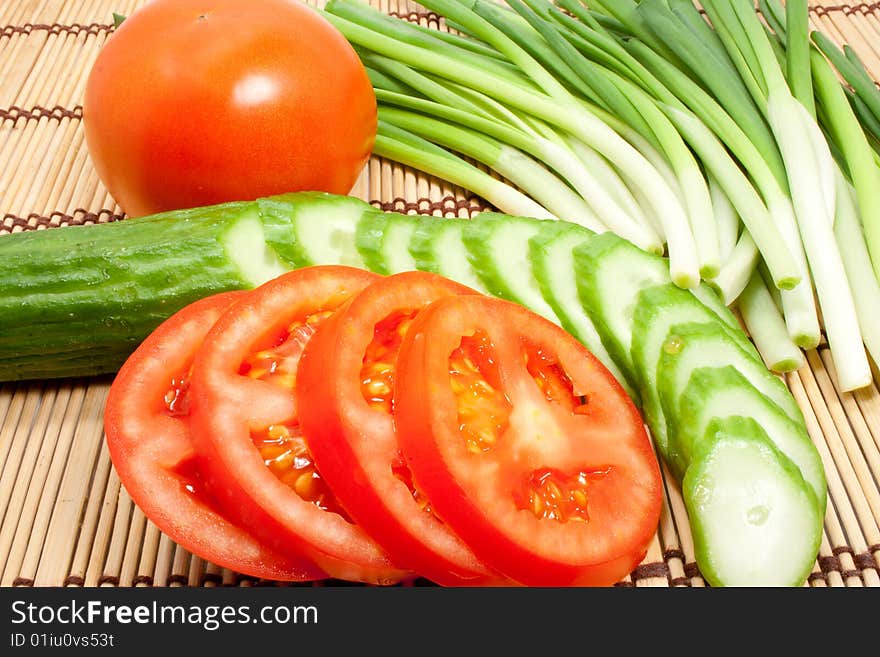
(64, 518)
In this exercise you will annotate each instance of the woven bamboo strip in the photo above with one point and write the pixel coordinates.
(197, 568)
(17, 440)
(6, 394)
(57, 152)
(863, 451)
(36, 154)
(180, 567)
(42, 500)
(164, 560)
(673, 556)
(116, 548)
(70, 502)
(14, 399)
(149, 551)
(853, 31)
(103, 532)
(131, 558)
(33, 473)
(682, 528)
(655, 577)
(869, 409)
(17, 13)
(843, 30)
(22, 460)
(841, 523)
(89, 530)
(848, 458)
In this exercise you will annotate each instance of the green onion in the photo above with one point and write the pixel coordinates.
(856, 151)
(411, 150)
(560, 109)
(509, 162)
(807, 158)
(765, 325)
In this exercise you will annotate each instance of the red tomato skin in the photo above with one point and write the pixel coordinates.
(197, 102)
(420, 433)
(226, 406)
(147, 445)
(354, 445)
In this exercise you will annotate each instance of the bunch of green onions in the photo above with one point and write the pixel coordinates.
(728, 144)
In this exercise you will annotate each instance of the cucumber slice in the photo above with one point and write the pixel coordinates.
(723, 392)
(314, 228)
(437, 245)
(699, 345)
(383, 238)
(551, 252)
(657, 309)
(755, 521)
(611, 272)
(498, 248)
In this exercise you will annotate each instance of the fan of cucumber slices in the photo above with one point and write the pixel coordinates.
(728, 428)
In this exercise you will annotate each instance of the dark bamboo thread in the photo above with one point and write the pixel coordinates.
(651, 570)
(14, 113)
(80, 216)
(56, 29)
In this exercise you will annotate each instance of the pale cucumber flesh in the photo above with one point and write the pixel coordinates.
(437, 245)
(498, 249)
(754, 520)
(551, 252)
(657, 309)
(692, 346)
(723, 392)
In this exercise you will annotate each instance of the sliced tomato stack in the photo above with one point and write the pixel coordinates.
(335, 423)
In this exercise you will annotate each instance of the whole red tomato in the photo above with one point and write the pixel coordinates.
(195, 102)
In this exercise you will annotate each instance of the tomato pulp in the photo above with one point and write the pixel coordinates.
(196, 102)
(247, 431)
(525, 444)
(344, 393)
(147, 426)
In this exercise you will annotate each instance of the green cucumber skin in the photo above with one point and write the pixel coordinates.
(368, 241)
(498, 269)
(99, 290)
(555, 235)
(592, 288)
(551, 248)
(283, 226)
(793, 550)
(383, 240)
(671, 305)
(704, 399)
(437, 246)
(709, 339)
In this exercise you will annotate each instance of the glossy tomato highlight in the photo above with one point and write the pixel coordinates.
(196, 102)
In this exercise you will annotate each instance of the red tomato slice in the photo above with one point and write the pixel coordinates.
(525, 444)
(247, 431)
(146, 422)
(344, 389)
